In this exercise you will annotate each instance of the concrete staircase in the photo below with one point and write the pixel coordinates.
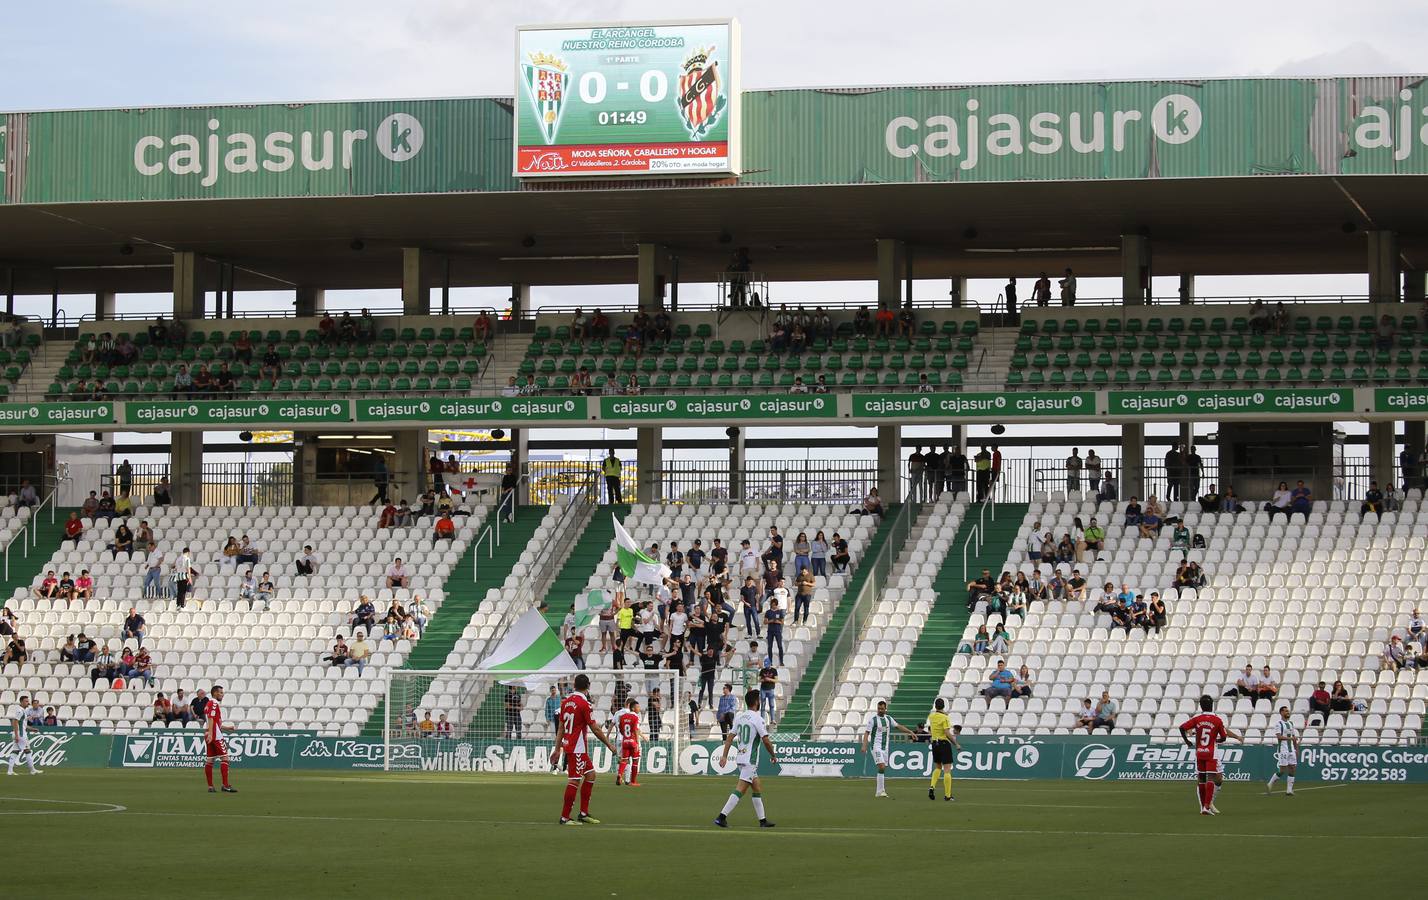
(937, 644)
(35, 381)
(506, 355)
(988, 369)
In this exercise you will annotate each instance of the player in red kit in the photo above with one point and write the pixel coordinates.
(1204, 732)
(213, 740)
(627, 726)
(575, 717)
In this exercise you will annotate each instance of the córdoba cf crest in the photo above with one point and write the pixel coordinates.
(546, 78)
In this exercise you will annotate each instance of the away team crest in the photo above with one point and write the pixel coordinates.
(701, 93)
(546, 78)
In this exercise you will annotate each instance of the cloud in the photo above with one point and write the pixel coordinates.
(1359, 58)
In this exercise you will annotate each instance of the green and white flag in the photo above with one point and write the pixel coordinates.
(588, 606)
(636, 565)
(530, 648)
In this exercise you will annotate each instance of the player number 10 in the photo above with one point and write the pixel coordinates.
(654, 86)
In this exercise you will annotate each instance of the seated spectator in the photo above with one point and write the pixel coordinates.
(1180, 537)
(143, 667)
(797, 340)
(307, 563)
(426, 727)
(1339, 699)
(1156, 613)
(1016, 603)
(1084, 714)
(90, 506)
(1001, 639)
(1261, 320)
(511, 389)
(105, 666)
(663, 328)
(228, 556)
(1057, 585)
(366, 327)
(162, 708)
(872, 504)
(444, 530)
(980, 588)
(388, 517)
(578, 324)
(1188, 577)
(599, 327)
(1076, 586)
(443, 729)
(182, 710)
(266, 589)
(338, 654)
(183, 383)
(397, 575)
(1417, 631)
(1023, 683)
(634, 341)
(359, 654)
(907, 323)
(1065, 549)
(1319, 703)
(1246, 683)
(66, 587)
(106, 508)
(1048, 549)
(1230, 503)
(51, 720)
(981, 640)
(243, 348)
(1210, 501)
(162, 493)
(202, 382)
(420, 614)
(1001, 683)
(248, 552)
(134, 626)
(631, 387)
(886, 321)
(123, 542)
(1150, 522)
(1108, 492)
(365, 614)
(1033, 543)
(69, 650)
(1420, 658)
(327, 329)
(223, 381)
(1301, 501)
(272, 367)
(1394, 656)
(1106, 712)
(1109, 600)
(862, 322)
(1373, 501)
(1383, 333)
(28, 496)
(1095, 537)
(124, 505)
(1132, 513)
(1267, 689)
(15, 651)
(840, 557)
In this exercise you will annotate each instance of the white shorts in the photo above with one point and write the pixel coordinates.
(1286, 756)
(22, 745)
(748, 772)
(880, 757)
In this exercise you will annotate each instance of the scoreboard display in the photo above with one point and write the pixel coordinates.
(632, 99)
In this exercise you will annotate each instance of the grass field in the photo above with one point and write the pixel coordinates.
(68, 832)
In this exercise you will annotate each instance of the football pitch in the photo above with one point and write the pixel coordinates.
(424, 834)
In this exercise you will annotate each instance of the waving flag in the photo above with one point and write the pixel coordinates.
(529, 651)
(636, 565)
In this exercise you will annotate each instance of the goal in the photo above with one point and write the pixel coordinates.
(485, 720)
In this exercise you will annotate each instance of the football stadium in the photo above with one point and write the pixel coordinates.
(925, 482)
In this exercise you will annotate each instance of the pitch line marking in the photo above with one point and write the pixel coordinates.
(108, 807)
(823, 829)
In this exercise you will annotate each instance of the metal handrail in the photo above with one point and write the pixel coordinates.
(49, 500)
(494, 530)
(23, 537)
(821, 695)
(975, 535)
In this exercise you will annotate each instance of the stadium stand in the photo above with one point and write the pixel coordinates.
(1313, 600)
(662, 524)
(271, 660)
(1220, 347)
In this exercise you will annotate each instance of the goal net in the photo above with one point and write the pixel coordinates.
(480, 720)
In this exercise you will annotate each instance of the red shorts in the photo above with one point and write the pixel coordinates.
(577, 765)
(216, 749)
(629, 748)
(1206, 764)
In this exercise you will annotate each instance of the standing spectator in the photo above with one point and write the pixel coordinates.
(1194, 465)
(612, 469)
(125, 472)
(551, 710)
(183, 577)
(1073, 471)
(1093, 470)
(1068, 288)
(512, 729)
(773, 621)
(803, 595)
(380, 480)
(509, 482)
(154, 572)
(982, 462)
(768, 689)
(1174, 472)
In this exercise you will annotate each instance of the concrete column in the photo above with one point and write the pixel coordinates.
(1135, 269)
(1383, 266)
(1414, 434)
(1383, 452)
(305, 468)
(892, 268)
(654, 272)
(957, 290)
(649, 453)
(737, 461)
(1413, 284)
(407, 467)
(104, 305)
(1132, 474)
(186, 468)
(890, 463)
(520, 300)
(188, 285)
(1187, 288)
(416, 282)
(520, 452)
(309, 301)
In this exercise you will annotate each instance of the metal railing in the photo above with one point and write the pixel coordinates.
(23, 536)
(846, 642)
(1347, 479)
(765, 481)
(48, 500)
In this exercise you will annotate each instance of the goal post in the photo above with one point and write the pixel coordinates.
(499, 721)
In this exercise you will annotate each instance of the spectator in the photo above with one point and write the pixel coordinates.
(981, 640)
(359, 654)
(162, 709)
(768, 687)
(1068, 288)
(397, 575)
(1395, 656)
(1301, 501)
(551, 710)
(1339, 699)
(124, 505)
(1180, 537)
(28, 496)
(199, 705)
(979, 588)
(803, 595)
(1095, 538)
(163, 495)
(1189, 577)
(1074, 464)
(143, 667)
(307, 563)
(1319, 703)
(426, 727)
(248, 588)
(1417, 631)
(106, 508)
(485, 327)
(886, 321)
(444, 530)
(74, 528)
(1106, 712)
(338, 655)
(49, 587)
(840, 556)
(1267, 689)
(1156, 613)
(1001, 683)
(1150, 521)
(51, 720)
(265, 590)
(1133, 513)
(773, 622)
(1076, 586)
(183, 574)
(15, 651)
(512, 727)
(1373, 501)
(182, 711)
(1246, 683)
(69, 651)
(1001, 639)
(248, 553)
(134, 626)
(66, 587)
(364, 615)
(1108, 492)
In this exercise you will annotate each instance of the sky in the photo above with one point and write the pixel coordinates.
(124, 53)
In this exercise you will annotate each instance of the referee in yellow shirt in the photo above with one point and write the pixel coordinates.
(943, 740)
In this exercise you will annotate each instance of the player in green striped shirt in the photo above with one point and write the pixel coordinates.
(878, 733)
